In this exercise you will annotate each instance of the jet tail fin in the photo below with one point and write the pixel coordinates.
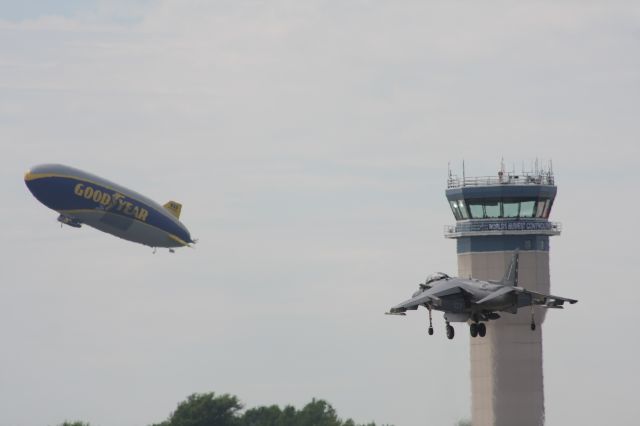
(511, 274)
(174, 208)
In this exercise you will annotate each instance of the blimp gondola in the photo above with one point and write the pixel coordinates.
(84, 198)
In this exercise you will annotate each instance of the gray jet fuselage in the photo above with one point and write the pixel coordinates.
(476, 290)
(476, 301)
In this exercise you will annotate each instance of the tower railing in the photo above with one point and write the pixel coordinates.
(502, 179)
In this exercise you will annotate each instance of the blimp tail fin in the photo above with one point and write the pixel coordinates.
(174, 208)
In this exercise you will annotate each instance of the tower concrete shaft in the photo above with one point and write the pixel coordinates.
(506, 366)
(496, 216)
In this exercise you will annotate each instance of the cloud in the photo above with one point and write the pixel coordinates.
(308, 142)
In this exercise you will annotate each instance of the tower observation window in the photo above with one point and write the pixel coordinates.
(454, 209)
(510, 208)
(527, 208)
(476, 209)
(459, 209)
(501, 208)
(547, 208)
(462, 207)
(492, 208)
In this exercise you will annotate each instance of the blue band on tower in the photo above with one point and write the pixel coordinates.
(502, 243)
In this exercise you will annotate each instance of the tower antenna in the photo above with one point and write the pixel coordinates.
(463, 172)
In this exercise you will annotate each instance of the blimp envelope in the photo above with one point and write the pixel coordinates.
(84, 198)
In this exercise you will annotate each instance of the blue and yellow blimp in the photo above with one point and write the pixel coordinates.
(84, 198)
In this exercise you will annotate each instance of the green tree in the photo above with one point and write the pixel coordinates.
(210, 410)
(264, 416)
(352, 423)
(206, 410)
(318, 413)
(289, 416)
(76, 423)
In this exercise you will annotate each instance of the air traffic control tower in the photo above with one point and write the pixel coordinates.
(494, 216)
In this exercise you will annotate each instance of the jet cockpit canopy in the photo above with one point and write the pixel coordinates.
(431, 279)
(437, 276)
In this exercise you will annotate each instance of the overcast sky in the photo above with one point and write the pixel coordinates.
(308, 142)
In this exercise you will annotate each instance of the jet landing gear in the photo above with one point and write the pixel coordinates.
(533, 322)
(430, 322)
(477, 329)
(450, 331)
(482, 329)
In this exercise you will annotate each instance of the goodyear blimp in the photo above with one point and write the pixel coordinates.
(83, 198)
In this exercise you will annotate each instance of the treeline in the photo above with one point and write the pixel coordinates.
(208, 409)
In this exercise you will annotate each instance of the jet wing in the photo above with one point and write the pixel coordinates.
(412, 303)
(549, 300)
(497, 293)
(432, 295)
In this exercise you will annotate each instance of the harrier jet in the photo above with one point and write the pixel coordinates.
(476, 301)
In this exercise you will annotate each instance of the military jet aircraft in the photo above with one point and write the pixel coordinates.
(475, 301)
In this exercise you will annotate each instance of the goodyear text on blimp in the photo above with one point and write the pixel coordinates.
(109, 201)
